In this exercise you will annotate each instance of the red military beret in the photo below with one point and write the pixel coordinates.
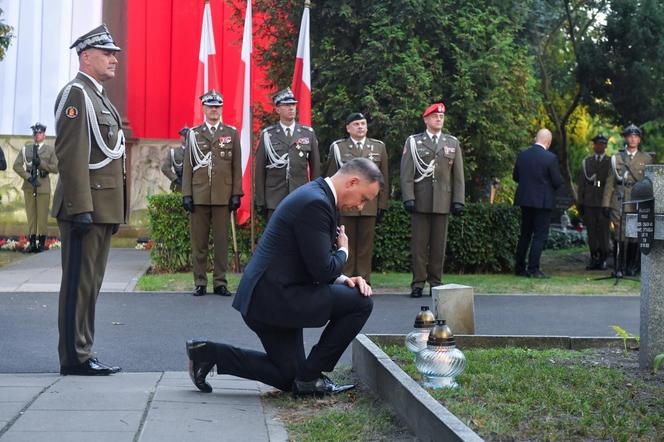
(436, 107)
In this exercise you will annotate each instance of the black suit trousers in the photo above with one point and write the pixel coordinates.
(534, 227)
(284, 357)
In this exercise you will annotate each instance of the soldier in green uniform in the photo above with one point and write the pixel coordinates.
(595, 170)
(628, 167)
(211, 189)
(33, 163)
(287, 155)
(172, 164)
(90, 199)
(360, 224)
(432, 187)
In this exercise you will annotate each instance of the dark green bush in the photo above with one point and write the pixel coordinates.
(482, 240)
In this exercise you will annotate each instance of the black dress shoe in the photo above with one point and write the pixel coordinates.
(91, 367)
(198, 370)
(222, 290)
(537, 274)
(199, 290)
(416, 292)
(320, 386)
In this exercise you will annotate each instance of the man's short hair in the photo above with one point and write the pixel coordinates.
(365, 168)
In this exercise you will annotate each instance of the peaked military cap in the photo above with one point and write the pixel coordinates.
(434, 108)
(38, 127)
(184, 131)
(212, 98)
(600, 138)
(284, 97)
(354, 117)
(99, 38)
(632, 129)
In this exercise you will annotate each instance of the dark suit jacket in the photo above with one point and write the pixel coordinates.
(538, 174)
(286, 283)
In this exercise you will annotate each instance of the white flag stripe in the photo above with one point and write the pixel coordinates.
(245, 135)
(207, 44)
(303, 48)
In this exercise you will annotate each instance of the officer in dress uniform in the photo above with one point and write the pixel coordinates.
(172, 164)
(90, 199)
(211, 189)
(34, 163)
(287, 155)
(360, 224)
(432, 187)
(628, 167)
(595, 170)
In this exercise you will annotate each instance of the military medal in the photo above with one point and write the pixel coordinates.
(222, 154)
(301, 154)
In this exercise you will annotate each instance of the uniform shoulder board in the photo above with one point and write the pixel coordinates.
(451, 136)
(232, 127)
(306, 127)
(271, 127)
(340, 140)
(375, 140)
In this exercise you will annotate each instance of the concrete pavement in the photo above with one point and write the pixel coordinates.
(41, 272)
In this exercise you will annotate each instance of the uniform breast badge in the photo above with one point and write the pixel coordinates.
(71, 112)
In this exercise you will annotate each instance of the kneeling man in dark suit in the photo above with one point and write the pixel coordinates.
(294, 281)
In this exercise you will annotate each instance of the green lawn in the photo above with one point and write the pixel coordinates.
(522, 394)
(566, 268)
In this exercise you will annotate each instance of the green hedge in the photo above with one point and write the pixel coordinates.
(482, 240)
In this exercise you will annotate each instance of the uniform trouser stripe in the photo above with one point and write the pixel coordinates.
(71, 296)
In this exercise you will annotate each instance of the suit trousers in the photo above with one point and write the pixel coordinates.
(428, 243)
(202, 218)
(79, 289)
(598, 228)
(36, 210)
(284, 357)
(534, 228)
(360, 231)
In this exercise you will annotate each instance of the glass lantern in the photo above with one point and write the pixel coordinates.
(440, 362)
(416, 340)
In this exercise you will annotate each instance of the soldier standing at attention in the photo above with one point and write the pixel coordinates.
(211, 189)
(287, 155)
(594, 172)
(360, 224)
(432, 187)
(90, 199)
(628, 167)
(172, 164)
(33, 163)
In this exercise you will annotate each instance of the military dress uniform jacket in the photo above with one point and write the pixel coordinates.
(172, 163)
(445, 185)
(213, 184)
(620, 163)
(49, 163)
(84, 185)
(592, 181)
(299, 160)
(375, 151)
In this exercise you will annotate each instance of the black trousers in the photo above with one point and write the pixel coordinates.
(284, 358)
(534, 227)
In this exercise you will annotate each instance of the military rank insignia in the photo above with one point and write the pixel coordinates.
(71, 112)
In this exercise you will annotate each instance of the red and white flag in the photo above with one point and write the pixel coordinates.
(206, 77)
(244, 91)
(302, 75)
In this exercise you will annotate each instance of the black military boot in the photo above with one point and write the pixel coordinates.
(592, 264)
(32, 247)
(601, 263)
(42, 244)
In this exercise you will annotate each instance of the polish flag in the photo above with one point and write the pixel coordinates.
(302, 74)
(244, 91)
(206, 77)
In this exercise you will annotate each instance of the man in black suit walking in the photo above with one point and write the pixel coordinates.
(294, 281)
(538, 174)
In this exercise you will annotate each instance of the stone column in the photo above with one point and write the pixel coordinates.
(652, 280)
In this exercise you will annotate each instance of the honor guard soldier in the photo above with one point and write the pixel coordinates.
(432, 187)
(287, 155)
(34, 163)
(90, 199)
(595, 170)
(211, 189)
(360, 224)
(628, 167)
(172, 164)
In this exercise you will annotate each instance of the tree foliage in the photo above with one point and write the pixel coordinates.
(5, 37)
(390, 59)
